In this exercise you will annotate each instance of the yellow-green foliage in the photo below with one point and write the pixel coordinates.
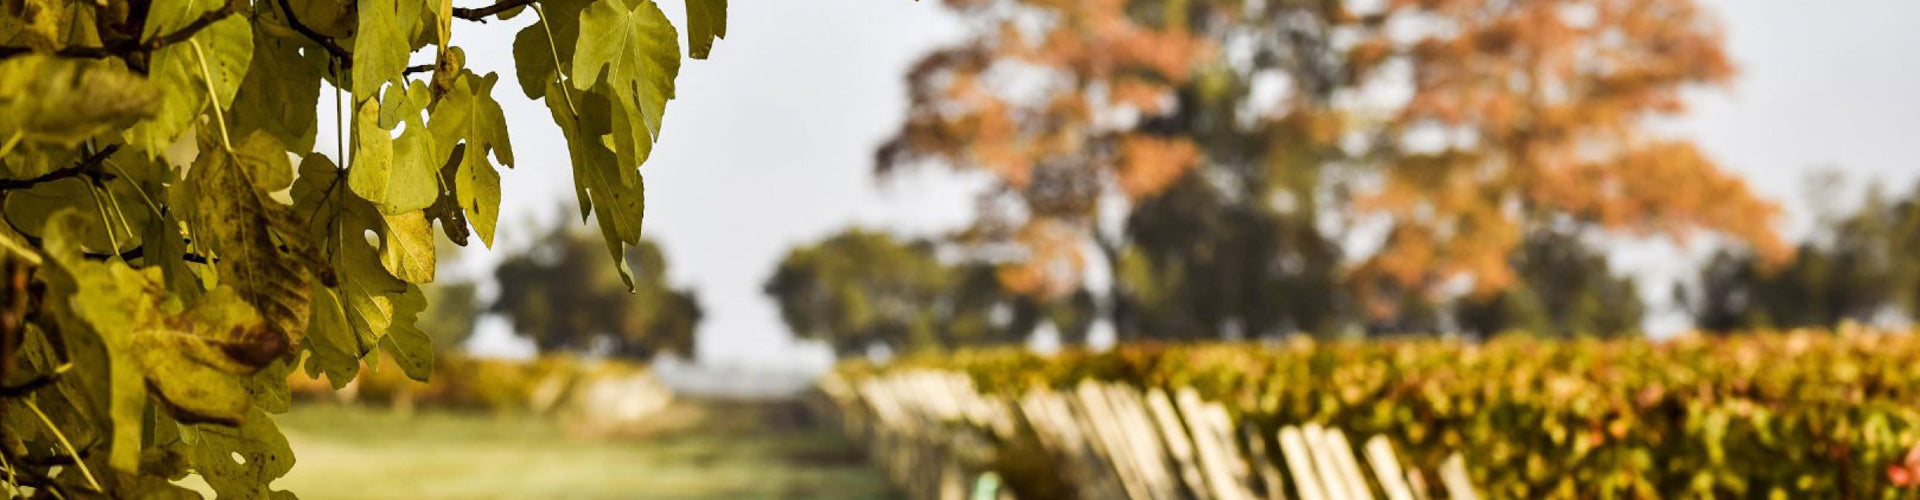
(1804, 414)
(460, 381)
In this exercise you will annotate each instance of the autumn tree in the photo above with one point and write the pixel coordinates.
(564, 298)
(1055, 114)
(1524, 115)
(1521, 115)
(175, 244)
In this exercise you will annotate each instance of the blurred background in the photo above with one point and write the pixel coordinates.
(862, 179)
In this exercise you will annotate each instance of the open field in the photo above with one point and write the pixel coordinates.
(700, 449)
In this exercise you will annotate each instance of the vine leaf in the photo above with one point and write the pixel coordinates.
(381, 45)
(446, 209)
(106, 300)
(262, 251)
(368, 303)
(31, 209)
(331, 338)
(227, 47)
(187, 362)
(167, 16)
(42, 24)
(468, 113)
(194, 360)
(406, 249)
(534, 52)
(597, 181)
(637, 50)
(268, 387)
(398, 176)
(410, 348)
(162, 244)
(280, 91)
(72, 100)
(706, 20)
(263, 451)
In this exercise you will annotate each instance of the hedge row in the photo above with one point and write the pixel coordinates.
(1805, 414)
(463, 382)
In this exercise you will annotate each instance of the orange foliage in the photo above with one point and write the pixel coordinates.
(1149, 164)
(1054, 263)
(1542, 109)
(974, 107)
(1552, 98)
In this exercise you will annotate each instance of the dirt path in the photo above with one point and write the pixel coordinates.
(697, 450)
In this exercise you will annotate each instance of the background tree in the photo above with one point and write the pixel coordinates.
(562, 297)
(453, 307)
(160, 287)
(862, 289)
(1038, 110)
(859, 289)
(1527, 114)
(1857, 266)
(1524, 118)
(1202, 265)
(1566, 289)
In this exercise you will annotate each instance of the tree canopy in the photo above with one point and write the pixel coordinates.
(861, 289)
(1858, 266)
(1447, 135)
(564, 298)
(175, 245)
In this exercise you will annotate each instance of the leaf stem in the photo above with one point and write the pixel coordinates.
(77, 461)
(13, 481)
(339, 130)
(213, 97)
(118, 213)
(12, 141)
(555, 52)
(136, 188)
(112, 237)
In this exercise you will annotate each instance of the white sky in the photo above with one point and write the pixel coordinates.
(770, 142)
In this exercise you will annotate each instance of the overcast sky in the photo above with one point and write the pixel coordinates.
(770, 142)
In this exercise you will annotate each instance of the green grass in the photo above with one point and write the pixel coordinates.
(699, 450)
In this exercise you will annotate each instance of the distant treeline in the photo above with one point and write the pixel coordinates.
(1197, 269)
(1252, 169)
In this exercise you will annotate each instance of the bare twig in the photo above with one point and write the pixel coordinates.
(481, 14)
(131, 46)
(84, 167)
(326, 42)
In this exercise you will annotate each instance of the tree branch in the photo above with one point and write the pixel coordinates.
(481, 14)
(128, 255)
(128, 47)
(139, 251)
(25, 388)
(339, 53)
(84, 167)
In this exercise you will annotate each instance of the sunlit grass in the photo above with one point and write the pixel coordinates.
(700, 450)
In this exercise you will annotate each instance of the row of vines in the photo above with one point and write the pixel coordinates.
(1783, 414)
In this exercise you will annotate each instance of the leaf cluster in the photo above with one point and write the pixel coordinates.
(175, 246)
